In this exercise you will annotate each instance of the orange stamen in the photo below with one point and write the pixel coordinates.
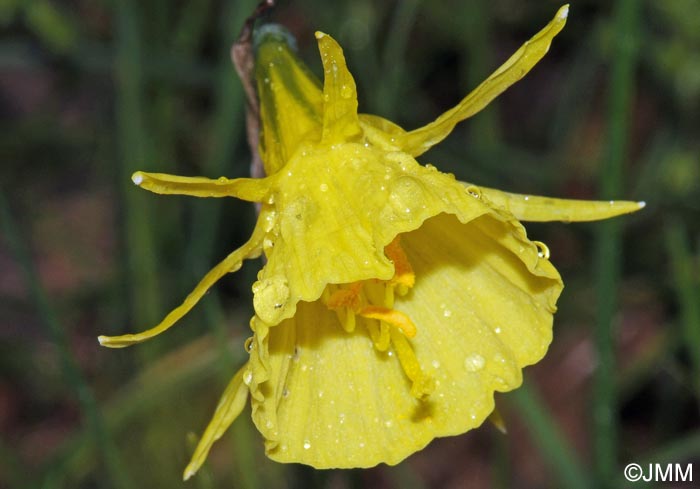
(349, 297)
(403, 272)
(392, 317)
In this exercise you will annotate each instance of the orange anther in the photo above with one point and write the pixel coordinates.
(391, 316)
(403, 272)
(349, 297)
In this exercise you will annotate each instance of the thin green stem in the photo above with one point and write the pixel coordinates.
(227, 131)
(393, 58)
(608, 241)
(546, 435)
(142, 269)
(116, 471)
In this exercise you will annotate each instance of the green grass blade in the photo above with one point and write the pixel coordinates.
(608, 241)
(550, 441)
(142, 269)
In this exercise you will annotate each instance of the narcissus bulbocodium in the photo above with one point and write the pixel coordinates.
(395, 300)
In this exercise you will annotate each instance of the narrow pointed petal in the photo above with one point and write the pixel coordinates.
(291, 101)
(498, 421)
(541, 209)
(230, 406)
(231, 263)
(381, 132)
(518, 65)
(250, 189)
(340, 120)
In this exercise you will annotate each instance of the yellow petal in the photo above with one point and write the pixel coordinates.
(231, 263)
(518, 65)
(536, 208)
(482, 305)
(340, 122)
(230, 406)
(290, 100)
(250, 189)
(381, 132)
(337, 208)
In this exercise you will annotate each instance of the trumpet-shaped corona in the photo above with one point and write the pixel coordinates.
(395, 300)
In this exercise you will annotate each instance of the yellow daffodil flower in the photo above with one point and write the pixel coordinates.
(395, 300)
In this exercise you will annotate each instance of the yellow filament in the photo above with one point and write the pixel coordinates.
(423, 385)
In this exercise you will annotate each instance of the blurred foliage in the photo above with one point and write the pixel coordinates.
(91, 91)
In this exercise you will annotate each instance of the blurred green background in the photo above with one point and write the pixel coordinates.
(93, 90)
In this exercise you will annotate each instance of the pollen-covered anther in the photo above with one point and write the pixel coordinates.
(346, 297)
(404, 278)
(392, 317)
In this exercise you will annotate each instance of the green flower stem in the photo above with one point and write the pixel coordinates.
(390, 91)
(678, 247)
(116, 471)
(142, 269)
(545, 434)
(608, 241)
(226, 133)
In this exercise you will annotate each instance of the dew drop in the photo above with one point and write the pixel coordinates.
(447, 313)
(248, 345)
(542, 250)
(222, 180)
(324, 187)
(247, 377)
(270, 297)
(435, 364)
(346, 91)
(474, 363)
(474, 191)
(497, 330)
(307, 444)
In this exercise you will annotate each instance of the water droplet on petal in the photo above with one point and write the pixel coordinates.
(307, 444)
(270, 298)
(474, 191)
(474, 363)
(247, 377)
(543, 251)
